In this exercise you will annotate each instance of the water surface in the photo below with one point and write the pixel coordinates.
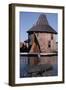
(50, 60)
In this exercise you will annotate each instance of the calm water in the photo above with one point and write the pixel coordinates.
(24, 66)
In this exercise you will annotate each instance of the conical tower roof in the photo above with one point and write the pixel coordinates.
(42, 25)
(42, 20)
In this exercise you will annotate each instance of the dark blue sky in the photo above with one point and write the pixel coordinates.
(27, 19)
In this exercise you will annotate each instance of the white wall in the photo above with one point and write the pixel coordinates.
(4, 45)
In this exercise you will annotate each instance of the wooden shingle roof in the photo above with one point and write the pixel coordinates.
(42, 20)
(42, 25)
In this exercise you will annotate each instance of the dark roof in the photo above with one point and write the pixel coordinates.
(42, 28)
(42, 20)
(42, 25)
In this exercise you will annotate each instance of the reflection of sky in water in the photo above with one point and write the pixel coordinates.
(24, 68)
(55, 69)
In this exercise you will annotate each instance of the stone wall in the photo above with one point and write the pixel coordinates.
(44, 39)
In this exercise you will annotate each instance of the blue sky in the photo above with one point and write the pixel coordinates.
(28, 19)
